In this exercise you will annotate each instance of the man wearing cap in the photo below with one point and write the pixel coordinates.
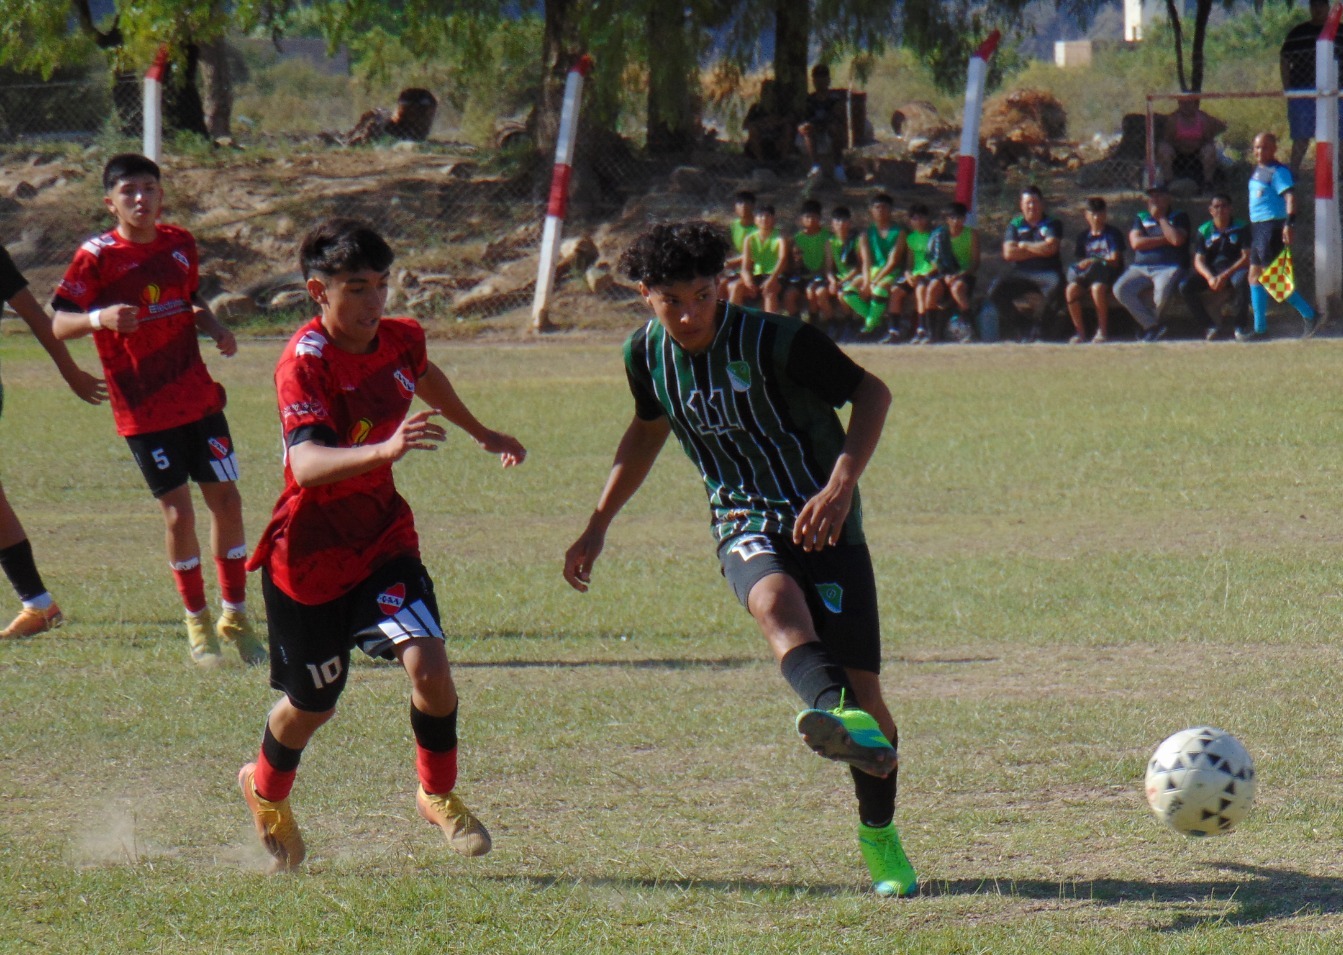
(1160, 242)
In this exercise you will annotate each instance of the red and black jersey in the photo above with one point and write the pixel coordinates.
(156, 378)
(323, 541)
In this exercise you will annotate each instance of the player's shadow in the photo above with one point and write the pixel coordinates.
(1269, 894)
(630, 883)
(721, 663)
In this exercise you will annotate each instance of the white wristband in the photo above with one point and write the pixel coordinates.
(95, 318)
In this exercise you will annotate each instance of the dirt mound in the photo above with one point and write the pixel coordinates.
(1026, 116)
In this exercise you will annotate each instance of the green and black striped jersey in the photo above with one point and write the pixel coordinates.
(755, 412)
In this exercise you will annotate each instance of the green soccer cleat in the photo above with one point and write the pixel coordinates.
(201, 640)
(892, 875)
(850, 736)
(234, 627)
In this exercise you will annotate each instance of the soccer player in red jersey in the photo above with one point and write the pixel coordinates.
(39, 612)
(136, 290)
(340, 559)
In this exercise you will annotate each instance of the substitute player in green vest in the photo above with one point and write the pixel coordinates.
(751, 398)
(812, 267)
(882, 248)
(764, 261)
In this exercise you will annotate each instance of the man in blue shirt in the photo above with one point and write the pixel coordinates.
(1221, 256)
(1160, 242)
(1272, 215)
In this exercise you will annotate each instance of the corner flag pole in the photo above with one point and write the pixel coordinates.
(153, 105)
(967, 182)
(559, 192)
(1328, 243)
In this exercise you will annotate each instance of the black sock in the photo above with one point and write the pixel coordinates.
(438, 734)
(17, 563)
(281, 758)
(876, 797)
(814, 676)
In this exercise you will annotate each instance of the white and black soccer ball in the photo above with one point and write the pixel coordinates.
(1201, 782)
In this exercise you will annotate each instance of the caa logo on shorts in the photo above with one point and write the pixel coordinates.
(406, 382)
(219, 447)
(392, 599)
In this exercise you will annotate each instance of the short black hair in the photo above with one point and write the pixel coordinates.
(812, 207)
(841, 213)
(820, 69)
(919, 209)
(1095, 204)
(676, 252)
(958, 209)
(745, 196)
(1033, 190)
(766, 210)
(882, 198)
(344, 245)
(125, 165)
(1224, 197)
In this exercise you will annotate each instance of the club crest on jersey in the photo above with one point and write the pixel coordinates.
(392, 599)
(151, 295)
(360, 431)
(182, 260)
(219, 447)
(406, 382)
(739, 373)
(832, 595)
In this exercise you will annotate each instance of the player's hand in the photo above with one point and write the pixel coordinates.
(86, 387)
(416, 433)
(122, 319)
(1286, 235)
(226, 342)
(1217, 282)
(580, 557)
(821, 519)
(510, 450)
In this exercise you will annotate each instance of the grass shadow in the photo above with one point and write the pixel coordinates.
(743, 886)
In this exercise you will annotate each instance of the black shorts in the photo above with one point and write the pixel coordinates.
(1265, 241)
(310, 645)
(201, 451)
(838, 583)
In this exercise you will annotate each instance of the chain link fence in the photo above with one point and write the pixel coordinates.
(465, 217)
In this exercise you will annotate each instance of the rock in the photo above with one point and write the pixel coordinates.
(289, 299)
(599, 278)
(9, 206)
(460, 170)
(231, 307)
(920, 119)
(512, 246)
(23, 190)
(577, 255)
(690, 180)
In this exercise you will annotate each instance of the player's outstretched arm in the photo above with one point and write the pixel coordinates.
(86, 386)
(821, 519)
(208, 324)
(635, 454)
(314, 464)
(122, 319)
(437, 391)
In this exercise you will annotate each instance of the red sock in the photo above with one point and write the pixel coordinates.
(437, 771)
(272, 784)
(232, 570)
(190, 583)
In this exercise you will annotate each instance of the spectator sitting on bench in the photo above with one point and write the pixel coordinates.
(954, 250)
(1100, 260)
(1187, 147)
(1160, 242)
(1221, 262)
(1031, 245)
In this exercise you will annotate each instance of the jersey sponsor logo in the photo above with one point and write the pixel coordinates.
(739, 374)
(359, 431)
(752, 545)
(182, 260)
(832, 595)
(311, 345)
(303, 409)
(406, 383)
(219, 447)
(151, 295)
(392, 599)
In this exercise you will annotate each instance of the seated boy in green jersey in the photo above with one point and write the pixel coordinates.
(954, 252)
(918, 272)
(743, 224)
(764, 263)
(845, 284)
(751, 398)
(808, 280)
(883, 252)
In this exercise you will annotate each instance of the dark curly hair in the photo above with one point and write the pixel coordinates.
(676, 252)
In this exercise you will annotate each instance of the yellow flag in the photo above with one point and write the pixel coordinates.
(1279, 280)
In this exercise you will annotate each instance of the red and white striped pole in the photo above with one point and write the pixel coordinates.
(967, 185)
(153, 108)
(1328, 242)
(559, 192)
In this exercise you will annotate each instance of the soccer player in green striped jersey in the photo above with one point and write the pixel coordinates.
(751, 398)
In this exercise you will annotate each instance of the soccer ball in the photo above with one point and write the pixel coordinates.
(1200, 782)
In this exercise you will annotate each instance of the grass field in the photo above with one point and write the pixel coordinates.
(1079, 551)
